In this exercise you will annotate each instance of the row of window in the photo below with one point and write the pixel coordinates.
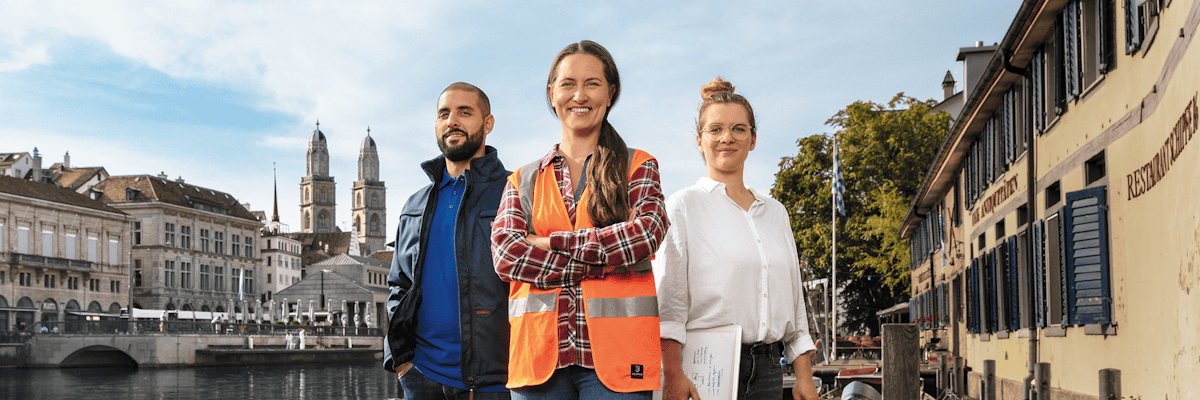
(207, 237)
(51, 282)
(1078, 53)
(185, 277)
(70, 247)
(285, 262)
(928, 238)
(1067, 272)
(375, 201)
(285, 246)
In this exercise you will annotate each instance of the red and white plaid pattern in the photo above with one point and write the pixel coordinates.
(577, 255)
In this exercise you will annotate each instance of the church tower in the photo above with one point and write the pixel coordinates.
(370, 216)
(317, 203)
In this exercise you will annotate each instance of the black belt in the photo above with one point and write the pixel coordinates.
(771, 349)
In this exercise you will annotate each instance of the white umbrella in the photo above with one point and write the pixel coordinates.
(310, 312)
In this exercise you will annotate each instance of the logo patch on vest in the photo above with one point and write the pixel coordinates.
(636, 371)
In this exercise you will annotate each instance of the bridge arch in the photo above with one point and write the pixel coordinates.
(98, 356)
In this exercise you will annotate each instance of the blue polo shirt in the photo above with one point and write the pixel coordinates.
(438, 355)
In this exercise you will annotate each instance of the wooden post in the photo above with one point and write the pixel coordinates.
(988, 385)
(1041, 381)
(943, 376)
(956, 378)
(1110, 384)
(901, 362)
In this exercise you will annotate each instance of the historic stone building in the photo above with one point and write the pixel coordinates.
(370, 216)
(63, 256)
(1054, 239)
(318, 202)
(194, 248)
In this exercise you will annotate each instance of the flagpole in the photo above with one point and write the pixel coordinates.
(833, 262)
(833, 281)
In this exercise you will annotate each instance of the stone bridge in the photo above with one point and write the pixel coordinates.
(164, 350)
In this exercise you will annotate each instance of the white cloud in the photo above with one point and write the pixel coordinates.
(22, 56)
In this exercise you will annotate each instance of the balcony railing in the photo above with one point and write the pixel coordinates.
(31, 260)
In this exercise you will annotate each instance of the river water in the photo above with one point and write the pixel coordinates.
(308, 381)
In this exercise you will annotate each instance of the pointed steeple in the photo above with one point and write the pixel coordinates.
(275, 175)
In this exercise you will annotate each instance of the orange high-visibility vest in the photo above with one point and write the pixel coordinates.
(621, 309)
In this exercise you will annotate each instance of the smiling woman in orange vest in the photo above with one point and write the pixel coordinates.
(574, 235)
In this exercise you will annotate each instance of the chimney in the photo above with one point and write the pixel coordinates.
(67, 160)
(179, 179)
(162, 175)
(948, 86)
(975, 62)
(36, 169)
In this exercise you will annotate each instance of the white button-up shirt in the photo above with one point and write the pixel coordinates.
(721, 265)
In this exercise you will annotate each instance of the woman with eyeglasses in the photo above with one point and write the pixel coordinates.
(730, 259)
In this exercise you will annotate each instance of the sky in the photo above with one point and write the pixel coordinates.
(220, 93)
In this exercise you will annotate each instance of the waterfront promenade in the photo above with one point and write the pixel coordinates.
(184, 343)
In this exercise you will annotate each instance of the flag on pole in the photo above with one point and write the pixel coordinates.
(839, 185)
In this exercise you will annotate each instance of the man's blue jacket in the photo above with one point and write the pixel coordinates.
(483, 297)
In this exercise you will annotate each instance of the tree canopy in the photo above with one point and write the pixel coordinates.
(885, 150)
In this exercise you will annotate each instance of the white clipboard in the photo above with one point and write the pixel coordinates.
(711, 359)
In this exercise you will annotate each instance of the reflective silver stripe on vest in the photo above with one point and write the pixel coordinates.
(642, 306)
(533, 303)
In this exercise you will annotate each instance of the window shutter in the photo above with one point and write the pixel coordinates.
(1133, 34)
(971, 303)
(1103, 34)
(988, 290)
(1039, 90)
(1071, 49)
(1086, 224)
(1014, 282)
(1039, 274)
(945, 304)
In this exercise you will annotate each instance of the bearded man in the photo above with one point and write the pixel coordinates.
(447, 310)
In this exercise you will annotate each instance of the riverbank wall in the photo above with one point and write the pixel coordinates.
(183, 350)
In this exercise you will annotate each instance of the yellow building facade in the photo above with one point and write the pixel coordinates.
(1059, 228)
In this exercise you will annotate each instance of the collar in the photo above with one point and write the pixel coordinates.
(486, 167)
(450, 180)
(711, 186)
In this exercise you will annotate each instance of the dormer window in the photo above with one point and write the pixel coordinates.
(130, 194)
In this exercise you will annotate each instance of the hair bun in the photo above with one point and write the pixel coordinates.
(717, 85)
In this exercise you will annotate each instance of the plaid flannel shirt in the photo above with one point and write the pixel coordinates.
(577, 255)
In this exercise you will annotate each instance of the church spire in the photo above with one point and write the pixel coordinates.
(275, 176)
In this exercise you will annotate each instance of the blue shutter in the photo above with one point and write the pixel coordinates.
(1064, 298)
(1039, 274)
(1014, 283)
(988, 290)
(1039, 90)
(1071, 49)
(972, 303)
(1086, 223)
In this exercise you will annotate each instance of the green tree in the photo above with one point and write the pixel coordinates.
(886, 150)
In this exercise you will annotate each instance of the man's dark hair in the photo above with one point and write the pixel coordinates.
(484, 105)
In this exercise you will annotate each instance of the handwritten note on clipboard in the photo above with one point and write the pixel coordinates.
(710, 359)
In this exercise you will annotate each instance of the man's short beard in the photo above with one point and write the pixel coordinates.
(464, 151)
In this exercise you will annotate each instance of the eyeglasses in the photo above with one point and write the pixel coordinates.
(738, 131)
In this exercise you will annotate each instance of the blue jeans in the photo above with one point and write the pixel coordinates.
(759, 375)
(574, 383)
(419, 387)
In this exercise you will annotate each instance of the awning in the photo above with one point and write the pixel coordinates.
(93, 314)
(896, 309)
